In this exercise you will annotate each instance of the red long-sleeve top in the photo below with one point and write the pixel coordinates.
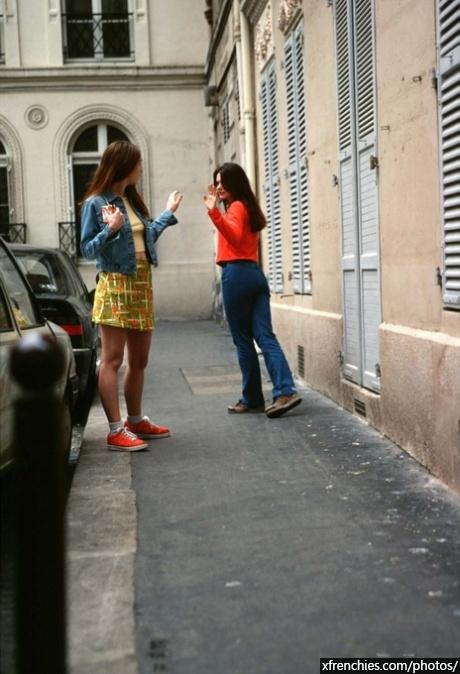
(235, 241)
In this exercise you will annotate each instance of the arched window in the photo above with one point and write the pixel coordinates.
(9, 228)
(11, 185)
(2, 41)
(85, 153)
(4, 192)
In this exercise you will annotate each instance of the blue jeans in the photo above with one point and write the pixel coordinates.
(247, 306)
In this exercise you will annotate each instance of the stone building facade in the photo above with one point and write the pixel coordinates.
(346, 115)
(76, 74)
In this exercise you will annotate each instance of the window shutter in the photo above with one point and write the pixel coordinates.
(303, 161)
(343, 30)
(367, 190)
(272, 181)
(292, 159)
(449, 110)
(354, 21)
(298, 170)
(348, 205)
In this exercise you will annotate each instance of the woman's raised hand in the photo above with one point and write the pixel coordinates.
(210, 199)
(113, 217)
(174, 200)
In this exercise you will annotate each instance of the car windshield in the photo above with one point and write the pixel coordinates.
(43, 273)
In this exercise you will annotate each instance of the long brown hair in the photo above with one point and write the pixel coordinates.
(120, 158)
(235, 181)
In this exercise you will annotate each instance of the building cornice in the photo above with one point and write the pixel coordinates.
(288, 12)
(253, 9)
(263, 43)
(101, 77)
(217, 35)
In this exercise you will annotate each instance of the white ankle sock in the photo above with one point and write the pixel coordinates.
(136, 419)
(115, 426)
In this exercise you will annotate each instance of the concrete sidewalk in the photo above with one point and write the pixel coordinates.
(261, 545)
(101, 544)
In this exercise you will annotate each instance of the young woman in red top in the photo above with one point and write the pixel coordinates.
(246, 294)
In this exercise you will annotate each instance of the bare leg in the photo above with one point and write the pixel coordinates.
(113, 343)
(138, 343)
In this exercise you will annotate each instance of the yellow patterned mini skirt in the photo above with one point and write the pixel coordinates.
(124, 301)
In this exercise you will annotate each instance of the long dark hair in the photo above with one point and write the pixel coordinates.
(235, 181)
(120, 158)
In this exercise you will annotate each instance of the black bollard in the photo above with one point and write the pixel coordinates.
(36, 365)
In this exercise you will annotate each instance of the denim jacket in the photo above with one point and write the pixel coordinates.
(115, 251)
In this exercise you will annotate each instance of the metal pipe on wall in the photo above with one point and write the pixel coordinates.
(239, 72)
(248, 100)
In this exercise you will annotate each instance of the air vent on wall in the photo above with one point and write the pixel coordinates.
(301, 361)
(360, 407)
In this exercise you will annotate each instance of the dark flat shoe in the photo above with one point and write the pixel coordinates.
(242, 408)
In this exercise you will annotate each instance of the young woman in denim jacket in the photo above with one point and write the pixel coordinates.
(119, 234)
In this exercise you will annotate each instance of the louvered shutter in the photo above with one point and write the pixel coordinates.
(297, 157)
(367, 190)
(303, 161)
(289, 73)
(449, 110)
(348, 202)
(272, 181)
(354, 23)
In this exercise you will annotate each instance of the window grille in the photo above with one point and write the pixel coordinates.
(13, 232)
(226, 120)
(69, 238)
(97, 36)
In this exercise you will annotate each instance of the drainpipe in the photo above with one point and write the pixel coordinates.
(248, 100)
(240, 77)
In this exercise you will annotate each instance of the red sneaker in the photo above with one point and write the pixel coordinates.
(124, 441)
(148, 430)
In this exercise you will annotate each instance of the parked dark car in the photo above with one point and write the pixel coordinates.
(20, 315)
(65, 300)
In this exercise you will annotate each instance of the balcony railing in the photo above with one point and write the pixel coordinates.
(69, 238)
(98, 36)
(13, 232)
